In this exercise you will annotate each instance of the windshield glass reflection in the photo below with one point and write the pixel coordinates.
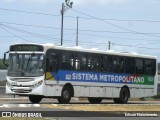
(26, 65)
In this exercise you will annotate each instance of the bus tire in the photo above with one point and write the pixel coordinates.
(65, 95)
(95, 100)
(116, 100)
(124, 95)
(35, 98)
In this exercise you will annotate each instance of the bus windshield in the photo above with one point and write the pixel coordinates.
(26, 65)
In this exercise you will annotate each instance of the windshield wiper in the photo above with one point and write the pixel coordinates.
(30, 57)
(18, 63)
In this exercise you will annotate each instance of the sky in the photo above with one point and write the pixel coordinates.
(130, 25)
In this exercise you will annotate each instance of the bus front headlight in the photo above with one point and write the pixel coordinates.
(8, 84)
(38, 84)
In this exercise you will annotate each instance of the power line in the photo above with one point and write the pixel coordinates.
(36, 13)
(26, 32)
(29, 25)
(93, 35)
(104, 36)
(38, 26)
(149, 34)
(72, 29)
(38, 35)
(30, 33)
(102, 44)
(112, 43)
(132, 31)
(49, 14)
(132, 46)
(74, 33)
(123, 20)
(29, 12)
(14, 34)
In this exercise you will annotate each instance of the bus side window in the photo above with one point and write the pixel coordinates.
(105, 61)
(121, 65)
(77, 63)
(109, 64)
(94, 63)
(89, 58)
(115, 64)
(83, 62)
(65, 61)
(52, 63)
(153, 67)
(139, 66)
(101, 64)
(130, 65)
(149, 67)
(72, 62)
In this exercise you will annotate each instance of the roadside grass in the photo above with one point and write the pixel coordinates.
(3, 83)
(104, 107)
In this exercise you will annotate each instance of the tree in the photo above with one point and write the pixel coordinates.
(2, 66)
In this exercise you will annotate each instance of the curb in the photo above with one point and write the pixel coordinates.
(13, 99)
(26, 99)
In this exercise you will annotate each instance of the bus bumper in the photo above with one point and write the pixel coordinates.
(24, 90)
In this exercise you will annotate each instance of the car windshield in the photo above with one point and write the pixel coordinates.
(26, 65)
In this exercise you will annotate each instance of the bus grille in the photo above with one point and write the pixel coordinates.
(21, 90)
(22, 79)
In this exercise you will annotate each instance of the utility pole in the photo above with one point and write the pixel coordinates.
(109, 45)
(77, 33)
(64, 8)
(62, 13)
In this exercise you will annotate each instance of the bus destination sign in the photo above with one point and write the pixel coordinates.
(26, 48)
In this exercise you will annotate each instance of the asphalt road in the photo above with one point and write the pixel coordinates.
(20, 110)
(21, 105)
(67, 114)
(2, 90)
(5, 99)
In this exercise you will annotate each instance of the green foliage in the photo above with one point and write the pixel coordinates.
(2, 66)
(3, 83)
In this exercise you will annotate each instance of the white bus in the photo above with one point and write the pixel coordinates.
(48, 71)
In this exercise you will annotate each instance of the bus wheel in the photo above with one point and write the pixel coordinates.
(95, 100)
(116, 100)
(35, 98)
(124, 95)
(65, 95)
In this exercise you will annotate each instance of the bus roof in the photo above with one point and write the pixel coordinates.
(92, 50)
